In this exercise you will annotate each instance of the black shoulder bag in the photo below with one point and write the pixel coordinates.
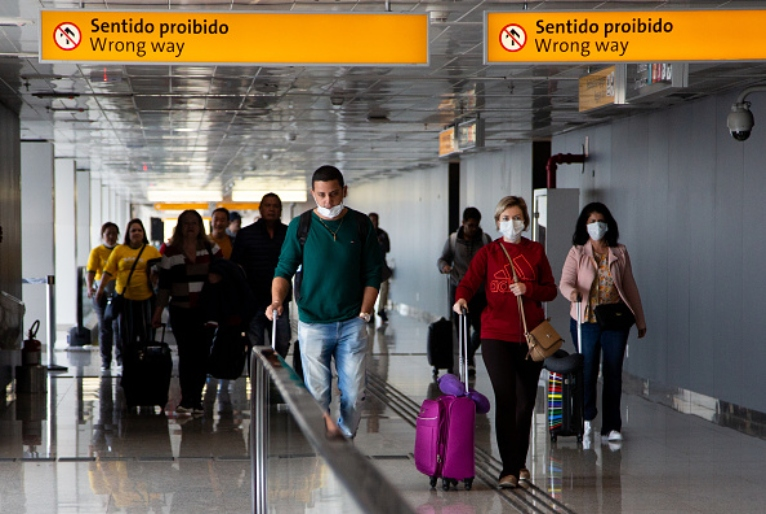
(116, 302)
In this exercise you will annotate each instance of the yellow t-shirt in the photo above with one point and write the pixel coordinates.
(119, 265)
(224, 244)
(97, 260)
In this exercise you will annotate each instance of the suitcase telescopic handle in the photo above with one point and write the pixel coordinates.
(463, 346)
(579, 322)
(274, 316)
(163, 325)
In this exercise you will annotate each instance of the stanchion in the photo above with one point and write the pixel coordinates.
(50, 318)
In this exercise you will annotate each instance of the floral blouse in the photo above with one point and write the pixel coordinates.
(602, 290)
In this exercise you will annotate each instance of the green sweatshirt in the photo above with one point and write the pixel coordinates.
(336, 269)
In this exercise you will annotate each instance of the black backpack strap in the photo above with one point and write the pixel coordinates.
(303, 228)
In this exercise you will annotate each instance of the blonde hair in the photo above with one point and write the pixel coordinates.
(512, 201)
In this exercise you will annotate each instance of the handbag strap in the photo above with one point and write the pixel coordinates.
(133, 268)
(518, 298)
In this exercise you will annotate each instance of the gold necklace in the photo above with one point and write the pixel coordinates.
(335, 233)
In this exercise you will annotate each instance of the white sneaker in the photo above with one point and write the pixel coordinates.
(614, 435)
(588, 429)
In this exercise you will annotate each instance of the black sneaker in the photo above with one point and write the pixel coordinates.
(383, 316)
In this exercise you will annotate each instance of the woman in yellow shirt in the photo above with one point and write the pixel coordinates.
(96, 264)
(136, 316)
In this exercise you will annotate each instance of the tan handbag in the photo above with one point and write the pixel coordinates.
(543, 341)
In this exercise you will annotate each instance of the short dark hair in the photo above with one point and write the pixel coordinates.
(581, 236)
(234, 216)
(223, 210)
(471, 213)
(137, 221)
(327, 173)
(106, 226)
(272, 195)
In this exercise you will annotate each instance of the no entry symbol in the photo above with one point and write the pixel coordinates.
(67, 36)
(513, 37)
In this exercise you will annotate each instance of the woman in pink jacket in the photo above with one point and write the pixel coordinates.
(597, 270)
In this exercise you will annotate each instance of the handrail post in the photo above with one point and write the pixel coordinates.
(259, 435)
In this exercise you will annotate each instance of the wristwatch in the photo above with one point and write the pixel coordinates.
(366, 316)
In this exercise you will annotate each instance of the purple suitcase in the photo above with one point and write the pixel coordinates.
(444, 434)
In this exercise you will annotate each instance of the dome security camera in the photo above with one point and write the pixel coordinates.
(740, 121)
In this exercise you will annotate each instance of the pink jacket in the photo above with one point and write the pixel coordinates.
(580, 270)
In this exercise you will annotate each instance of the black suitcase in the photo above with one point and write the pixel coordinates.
(146, 374)
(439, 346)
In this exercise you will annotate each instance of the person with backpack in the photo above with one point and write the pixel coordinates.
(339, 283)
(257, 249)
(455, 258)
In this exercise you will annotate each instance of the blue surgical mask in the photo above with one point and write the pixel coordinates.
(597, 230)
(332, 212)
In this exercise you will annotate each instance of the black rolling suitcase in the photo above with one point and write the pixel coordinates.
(146, 374)
(565, 391)
(439, 345)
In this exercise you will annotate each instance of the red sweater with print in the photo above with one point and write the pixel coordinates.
(489, 267)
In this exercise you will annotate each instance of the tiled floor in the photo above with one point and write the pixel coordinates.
(77, 449)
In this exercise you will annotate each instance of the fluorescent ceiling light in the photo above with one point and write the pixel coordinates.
(256, 196)
(7, 21)
(20, 55)
(184, 196)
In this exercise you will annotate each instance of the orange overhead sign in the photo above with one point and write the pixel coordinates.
(624, 36)
(180, 37)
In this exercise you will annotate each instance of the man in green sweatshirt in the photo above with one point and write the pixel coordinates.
(339, 284)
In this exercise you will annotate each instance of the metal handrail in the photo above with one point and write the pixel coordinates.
(364, 482)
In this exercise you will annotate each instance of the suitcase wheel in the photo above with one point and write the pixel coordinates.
(435, 373)
(433, 482)
(468, 484)
(445, 484)
(553, 438)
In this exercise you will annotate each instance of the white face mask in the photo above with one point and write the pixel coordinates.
(512, 229)
(332, 212)
(597, 229)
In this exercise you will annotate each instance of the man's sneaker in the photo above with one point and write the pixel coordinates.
(105, 369)
(524, 474)
(508, 482)
(184, 411)
(383, 316)
(588, 429)
(198, 411)
(614, 435)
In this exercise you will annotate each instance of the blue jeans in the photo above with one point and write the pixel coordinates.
(261, 323)
(346, 342)
(612, 343)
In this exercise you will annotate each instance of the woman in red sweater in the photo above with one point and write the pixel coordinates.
(504, 349)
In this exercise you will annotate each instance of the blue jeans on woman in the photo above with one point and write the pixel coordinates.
(346, 342)
(612, 344)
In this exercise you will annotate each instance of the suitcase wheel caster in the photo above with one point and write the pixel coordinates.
(433, 482)
(579, 438)
(435, 373)
(553, 438)
(468, 484)
(445, 484)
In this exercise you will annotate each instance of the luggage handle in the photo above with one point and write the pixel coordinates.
(163, 325)
(463, 346)
(578, 345)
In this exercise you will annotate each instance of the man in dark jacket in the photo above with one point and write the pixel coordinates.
(256, 249)
(457, 253)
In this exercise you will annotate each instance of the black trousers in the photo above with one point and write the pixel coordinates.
(193, 340)
(107, 330)
(514, 381)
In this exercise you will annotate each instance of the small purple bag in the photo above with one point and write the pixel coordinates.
(451, 384)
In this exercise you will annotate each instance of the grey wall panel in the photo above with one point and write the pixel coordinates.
(689, 201)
